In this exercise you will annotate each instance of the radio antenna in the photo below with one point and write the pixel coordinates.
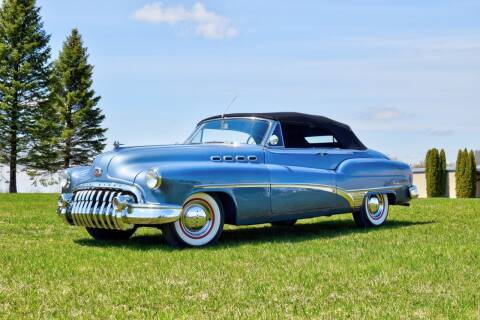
(229, 105)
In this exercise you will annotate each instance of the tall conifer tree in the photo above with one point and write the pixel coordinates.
(443, 174)
(74, 99)
(473, 174)
(24, 83)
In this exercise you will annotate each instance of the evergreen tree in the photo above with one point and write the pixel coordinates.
(459, 168)
(433, 173)
(473, 174)
(24, 83)
(443, 176)
(82, 135)
(463, 174)
(467, 178)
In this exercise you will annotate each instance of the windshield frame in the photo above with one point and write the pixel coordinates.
(262, 143)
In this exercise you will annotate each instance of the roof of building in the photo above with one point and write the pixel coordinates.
(342, 132)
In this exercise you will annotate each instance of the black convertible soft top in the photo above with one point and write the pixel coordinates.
(342, 132)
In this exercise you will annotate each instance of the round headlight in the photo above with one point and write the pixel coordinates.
(153, 179)
(65, 180)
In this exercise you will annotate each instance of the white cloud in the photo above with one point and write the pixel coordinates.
(387, 114)
(207, 24)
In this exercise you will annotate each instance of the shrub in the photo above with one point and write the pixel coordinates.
(466, 174)
(435, 172)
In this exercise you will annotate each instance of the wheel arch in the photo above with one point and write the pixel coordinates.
(228, 204)
(391, 195)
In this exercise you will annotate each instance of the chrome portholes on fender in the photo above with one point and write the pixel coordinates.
(373, 212)
(200, 223)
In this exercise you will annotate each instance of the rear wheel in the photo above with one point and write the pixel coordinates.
(285, 223)
(106, 234)
(200, 224)
(373, 212)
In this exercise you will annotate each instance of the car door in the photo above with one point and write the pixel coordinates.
(303, 180)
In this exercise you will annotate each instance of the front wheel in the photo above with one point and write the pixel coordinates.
(373, 212)
(200, 223)
(106, 234)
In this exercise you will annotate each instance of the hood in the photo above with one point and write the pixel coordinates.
(126, 163)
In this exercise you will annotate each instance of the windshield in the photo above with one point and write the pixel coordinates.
(231, 131)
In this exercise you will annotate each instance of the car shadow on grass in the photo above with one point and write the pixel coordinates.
(256, 234)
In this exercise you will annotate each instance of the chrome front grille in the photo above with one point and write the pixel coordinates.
(93, 208)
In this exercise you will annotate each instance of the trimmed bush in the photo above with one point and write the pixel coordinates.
(473, 174)
(466, 174)
(435, 172)
(443, 176)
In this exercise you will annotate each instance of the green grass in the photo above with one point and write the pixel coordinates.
(425, 263)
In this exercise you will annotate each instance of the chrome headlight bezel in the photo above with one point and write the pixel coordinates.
(65, 180)
(153, 179)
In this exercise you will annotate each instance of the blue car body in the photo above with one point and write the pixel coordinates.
(256, 183)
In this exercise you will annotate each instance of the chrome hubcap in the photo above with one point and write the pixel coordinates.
(375, 206)
(196, 218)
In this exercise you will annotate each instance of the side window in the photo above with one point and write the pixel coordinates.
(301, 135)
(321, 139)
(276, 139)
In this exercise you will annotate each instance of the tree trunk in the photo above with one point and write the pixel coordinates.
(13, 160)
(13, 176)
(68, 152)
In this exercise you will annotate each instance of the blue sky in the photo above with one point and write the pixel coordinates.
(405, 75)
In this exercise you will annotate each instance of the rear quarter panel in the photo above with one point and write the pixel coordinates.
(361, 174)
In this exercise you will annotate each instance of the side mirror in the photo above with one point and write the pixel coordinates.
(273, 140)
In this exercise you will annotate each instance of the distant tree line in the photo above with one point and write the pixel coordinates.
(49, 117)
(465, 173)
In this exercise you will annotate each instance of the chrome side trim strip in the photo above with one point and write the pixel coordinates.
(354, 197)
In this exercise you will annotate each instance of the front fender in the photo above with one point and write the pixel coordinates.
(180, 180)
(78, 175)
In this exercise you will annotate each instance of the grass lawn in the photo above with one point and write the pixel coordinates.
(425, 263)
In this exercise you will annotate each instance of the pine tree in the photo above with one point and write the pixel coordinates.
(443, 174)
(24, 82)
(82, 135)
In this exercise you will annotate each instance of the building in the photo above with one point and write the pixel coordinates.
(420, 181)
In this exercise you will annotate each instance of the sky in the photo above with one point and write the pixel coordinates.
(405, 75)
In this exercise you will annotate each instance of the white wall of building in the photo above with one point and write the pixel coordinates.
(24, 183)
(420, 181)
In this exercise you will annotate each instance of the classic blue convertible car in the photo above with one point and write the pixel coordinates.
(235, 169)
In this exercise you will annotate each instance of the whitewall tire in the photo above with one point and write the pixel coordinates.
(200, 224)
(374, 211)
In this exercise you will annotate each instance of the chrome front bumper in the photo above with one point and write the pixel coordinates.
(119, 213)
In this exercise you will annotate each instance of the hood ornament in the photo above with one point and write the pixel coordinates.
(117, 145)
